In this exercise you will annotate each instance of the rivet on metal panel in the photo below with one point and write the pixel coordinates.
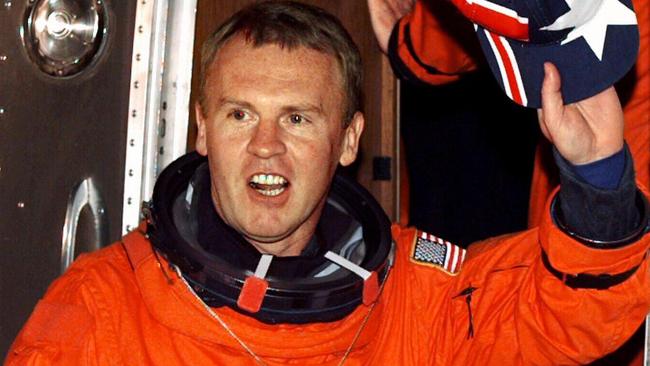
(132, 142)
(163, 128)
(21, 204)
(130, 172)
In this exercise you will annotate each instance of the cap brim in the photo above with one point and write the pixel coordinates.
(519, 66)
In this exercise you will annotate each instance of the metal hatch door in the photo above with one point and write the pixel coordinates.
(64, 93)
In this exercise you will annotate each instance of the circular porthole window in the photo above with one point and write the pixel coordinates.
(62, 37)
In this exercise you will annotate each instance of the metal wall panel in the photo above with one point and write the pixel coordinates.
(54, 134)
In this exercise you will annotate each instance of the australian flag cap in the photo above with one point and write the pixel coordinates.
(592, 42)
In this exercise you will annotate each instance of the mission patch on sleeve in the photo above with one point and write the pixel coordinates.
(432, 251)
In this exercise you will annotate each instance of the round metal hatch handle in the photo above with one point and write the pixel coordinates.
(64, 37)
(84, 193)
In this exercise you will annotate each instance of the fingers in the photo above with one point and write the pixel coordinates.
(382, 19)
(383, 16)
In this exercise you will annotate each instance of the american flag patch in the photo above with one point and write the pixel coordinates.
(432, 251)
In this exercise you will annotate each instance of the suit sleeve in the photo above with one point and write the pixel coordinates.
(549, 296)
(589, 299)
(433, 44)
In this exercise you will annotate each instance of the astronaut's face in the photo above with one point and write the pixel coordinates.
(272, 128)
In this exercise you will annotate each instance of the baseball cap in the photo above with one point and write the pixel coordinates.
(594, 43)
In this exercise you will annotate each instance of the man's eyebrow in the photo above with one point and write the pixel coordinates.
(306, 107)
(300, 107)
(234, 102)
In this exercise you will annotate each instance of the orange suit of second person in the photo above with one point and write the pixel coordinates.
(501, 306)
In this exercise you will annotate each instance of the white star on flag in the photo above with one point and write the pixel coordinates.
(590, 19)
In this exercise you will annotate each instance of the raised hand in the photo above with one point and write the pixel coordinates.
(585, 131)
(383, 16)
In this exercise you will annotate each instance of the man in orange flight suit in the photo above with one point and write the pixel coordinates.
(261, 254)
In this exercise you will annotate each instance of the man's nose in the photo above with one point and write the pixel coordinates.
(267, 140)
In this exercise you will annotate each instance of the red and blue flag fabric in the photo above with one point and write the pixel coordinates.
(592, 42)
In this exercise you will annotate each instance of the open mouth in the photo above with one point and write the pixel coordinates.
(268, 184)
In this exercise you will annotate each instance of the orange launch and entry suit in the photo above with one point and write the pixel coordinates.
(501, 306)
(436, 45)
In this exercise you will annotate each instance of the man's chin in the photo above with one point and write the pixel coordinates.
(266, 237)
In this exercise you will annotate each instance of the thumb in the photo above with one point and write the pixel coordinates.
(552, 102)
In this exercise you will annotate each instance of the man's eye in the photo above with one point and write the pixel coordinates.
(238, 115)
(296, 119)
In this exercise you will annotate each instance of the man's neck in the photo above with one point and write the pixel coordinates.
(284, 248)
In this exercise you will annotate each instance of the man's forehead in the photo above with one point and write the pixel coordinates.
(241, 55)
(242, 70)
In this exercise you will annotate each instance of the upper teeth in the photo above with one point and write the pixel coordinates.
(268, 179)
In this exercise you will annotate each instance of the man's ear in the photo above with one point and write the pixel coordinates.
(201, 142)
(351, 136)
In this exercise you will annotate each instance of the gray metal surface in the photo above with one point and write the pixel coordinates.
(54, 133)
(85, 194)
(159, 97)
(63, 37)
(144, 84)
(177, 82)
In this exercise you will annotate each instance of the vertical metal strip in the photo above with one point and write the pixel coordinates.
(177, 82)
(154, 89)
(137, 112)
(144, 107)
